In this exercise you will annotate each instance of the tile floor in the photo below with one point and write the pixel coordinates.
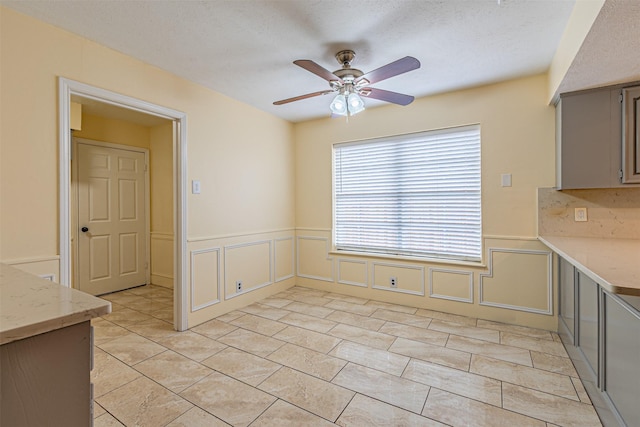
(310, 358)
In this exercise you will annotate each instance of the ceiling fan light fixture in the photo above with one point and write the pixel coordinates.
(339, 105)
(355, 104)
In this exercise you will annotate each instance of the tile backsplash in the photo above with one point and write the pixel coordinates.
(611, 213)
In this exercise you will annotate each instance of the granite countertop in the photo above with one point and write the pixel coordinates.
(30, 305)
(613, 263)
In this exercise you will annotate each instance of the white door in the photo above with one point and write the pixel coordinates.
(112, 219)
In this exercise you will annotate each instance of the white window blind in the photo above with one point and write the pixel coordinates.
(415, 195)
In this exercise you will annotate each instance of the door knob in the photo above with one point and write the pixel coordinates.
(84, 229)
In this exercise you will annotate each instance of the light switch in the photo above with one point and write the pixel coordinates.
(506, 179)
(195, 187)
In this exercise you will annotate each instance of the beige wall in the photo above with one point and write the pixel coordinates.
(247, 171)
(517, 128)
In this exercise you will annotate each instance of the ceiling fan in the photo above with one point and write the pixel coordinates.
(350, 84)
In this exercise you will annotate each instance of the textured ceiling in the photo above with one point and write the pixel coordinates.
(245, 48)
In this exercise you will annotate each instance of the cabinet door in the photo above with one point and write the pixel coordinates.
(622, 341)
(631, 135)
(567, 296)
(588, 320)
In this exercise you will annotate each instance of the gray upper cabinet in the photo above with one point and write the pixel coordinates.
(631, 135)
(589, 139)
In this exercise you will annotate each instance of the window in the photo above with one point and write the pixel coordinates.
(412, 195)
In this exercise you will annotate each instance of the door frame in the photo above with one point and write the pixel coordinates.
(75, 205)
(68, 88)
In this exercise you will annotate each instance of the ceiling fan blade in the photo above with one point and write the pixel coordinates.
(317, 70)
(386, 95)
(400, 66)
(298, 98)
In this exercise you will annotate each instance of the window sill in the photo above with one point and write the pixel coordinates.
(424, 260)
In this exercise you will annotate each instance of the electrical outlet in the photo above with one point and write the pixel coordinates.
(580, 214)
(239, 286)
(393, 282)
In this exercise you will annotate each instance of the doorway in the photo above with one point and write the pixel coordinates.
(67, 90)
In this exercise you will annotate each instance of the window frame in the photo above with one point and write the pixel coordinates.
(427, 257)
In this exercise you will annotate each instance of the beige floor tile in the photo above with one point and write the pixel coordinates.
(107, 420)
(365, 411)
(308, 309)
(465, 331)
(283, 414)
(192, 345)
(388, 388)
(347, 298)
(276, 302)
(258, 324)
(485, 348)
(582, 393)
(230, 400)
(97, 410)
(557, 364)
(310, 299)
(413, 333)
(548, 382)
(109, 373)
(550, 408)
(173, 371)
(449, 317)
(308, 322)
(363, 336)
(307, 291)
(125, 317)
(165, 314)
(124, 298)
(432, 353)
(265, 311)
(455, 381)
(363, 310)
(515, 329)
(196, 417)
(544, 346)
(214, 329)
(132, 348)
(154, 329)
(228, 317)
(147, 306)
(142, 402)
(142, 290)
(364, 322)
(106, 331)
(459, 411)
(242, 366)
(255, 343)
(309, 339)
(312, 394)
(370, 357)
(406, 319)
(393, 307)
(308, 361)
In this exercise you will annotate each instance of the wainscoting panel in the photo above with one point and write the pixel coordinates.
(162, 259)
(249, 263)
(352, 272)
(205, 278)
(313, 261)
(454, 285)
(409, 278)
(47, 267)
(284, 259)
(518, 279)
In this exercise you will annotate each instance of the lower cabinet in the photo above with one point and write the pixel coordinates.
(622, 362)
(588, 320)
(603, 341)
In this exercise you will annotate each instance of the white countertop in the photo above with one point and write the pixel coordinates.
(30, 305)
(613, 263)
